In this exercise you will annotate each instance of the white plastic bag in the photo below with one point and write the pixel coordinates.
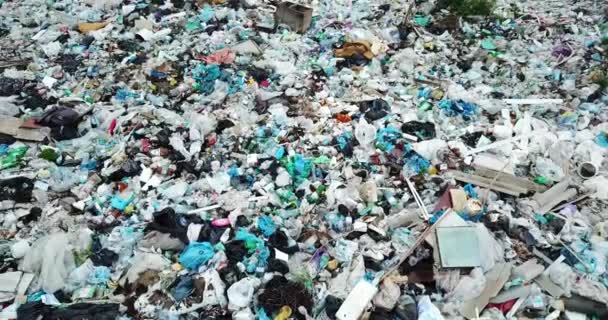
(365, 133)
(52, 260)
(427, 310)
(240, 293)
(214, 289)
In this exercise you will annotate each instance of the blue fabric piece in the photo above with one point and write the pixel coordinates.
(99, 276)
(196, 254)
(183, 289)
(266, 225)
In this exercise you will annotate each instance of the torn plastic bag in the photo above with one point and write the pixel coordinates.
(167, 221)
(63, 122)
(130, 168)
(143, 261)
(388, 295)
(9, 106)
(102, 256)
(52, 260)
(78, 311)
(10, 87)
(422, 130)
(374, 109)
(427, 310)
(214, 289)
(469, 287)
(196, 254)
(162, 241)
(78, 277)
(240, 293)
(18, 189)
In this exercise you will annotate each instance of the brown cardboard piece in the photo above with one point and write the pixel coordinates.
(13, 127)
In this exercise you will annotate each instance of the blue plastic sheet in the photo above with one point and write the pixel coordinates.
(196, 254)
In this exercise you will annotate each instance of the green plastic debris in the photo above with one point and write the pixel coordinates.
(81, 256)
(192, 25)
(425, 105)
(542, 180)
(13, 157)
(488, 44)
(49, 154)
(89, 99)
(298, 167)
(321, 160)
(422, 20)
(540, 218)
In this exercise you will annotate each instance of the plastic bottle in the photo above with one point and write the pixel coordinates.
(284, 313)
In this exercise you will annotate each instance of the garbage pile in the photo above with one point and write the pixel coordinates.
(251, 159)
